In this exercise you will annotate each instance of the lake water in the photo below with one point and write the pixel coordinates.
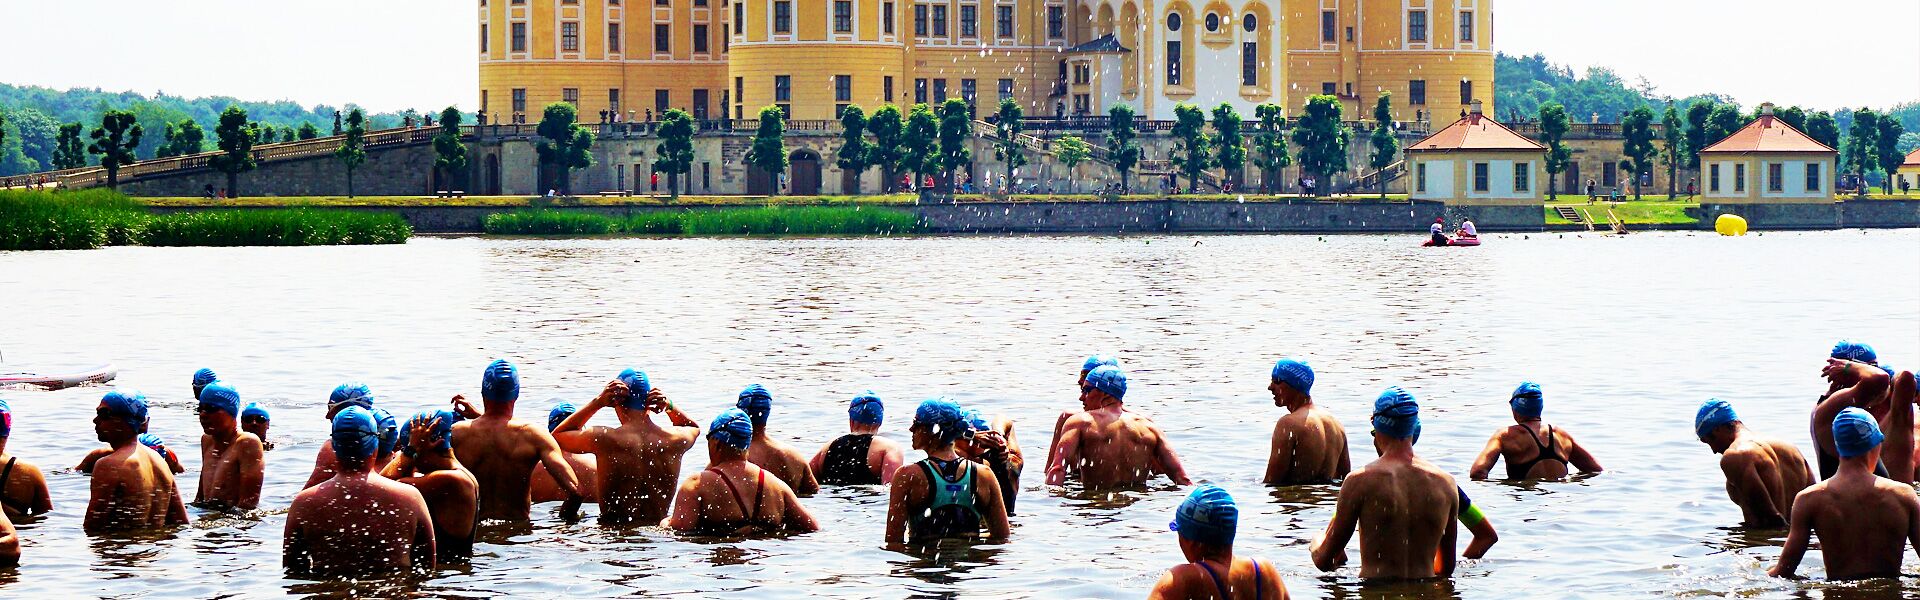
(1627, 335)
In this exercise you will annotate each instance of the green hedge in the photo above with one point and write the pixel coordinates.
(40, 220)
(806, 220)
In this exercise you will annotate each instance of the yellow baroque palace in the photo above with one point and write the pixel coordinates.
(628, 59)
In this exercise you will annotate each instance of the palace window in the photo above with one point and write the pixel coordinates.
(739, 18)
(940, 20)
(920, 19)
(1466, 26)
(1480, 177)
(1082, 73)
(783, 16)
(969, 20)
(570, 96)
(1173, 59)
(656, 2)
(1523, 177)
(519, 100)
(483, 102)
(886, 87)
(886, 18)
(695, 2)
(969, 91)
(920, 91)
(1249, 63)
(1328, 89)
(661, 100)
(613, 37)
(1006, 89)
(1813, 177)
(1249, 22)
(1213, 22)
(519, 37)
(700, 43)
(843, 16)
(700, 105)
(782, 88)
(843, 88)
(1416, 26)
(483, 38)
(939, 90)
(613, 101)
(1776, 177)
(1466, 91)
(662, 38)
(1417, 92)
(1003, 21)
(1056, 22)
(570, 37)
(1327, 27)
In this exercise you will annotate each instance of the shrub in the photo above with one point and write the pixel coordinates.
(290, 227)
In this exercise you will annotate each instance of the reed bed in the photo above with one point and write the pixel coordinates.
(78, 220)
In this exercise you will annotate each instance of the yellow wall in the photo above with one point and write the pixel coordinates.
(1381, 57)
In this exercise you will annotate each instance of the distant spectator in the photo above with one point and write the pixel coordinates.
(1590, 189)
(1692, 187)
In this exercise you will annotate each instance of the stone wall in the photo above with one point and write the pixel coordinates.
(389, 171)
(1818, 215)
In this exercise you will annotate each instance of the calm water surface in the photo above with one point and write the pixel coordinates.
(1628, 336)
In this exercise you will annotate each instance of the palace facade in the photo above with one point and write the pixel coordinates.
(627, 59)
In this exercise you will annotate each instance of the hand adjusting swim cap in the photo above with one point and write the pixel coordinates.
(388, 428)
(1527, 400)
(355, 434)
(757, 402)
(943, 417)
(1396, 414)
(732, 428)
(1855, 351)
(866, 409)
(352, 393)
(1208, 516)
(1110, 380)
(560, 413)
(1294, 373)
(201, 378)
(1713, 414)
(974, 420)
(221, 397)
(1855, 432)
(128, 405)
(500, 382)
(1098, 360)
(439, 425)
(638, 386)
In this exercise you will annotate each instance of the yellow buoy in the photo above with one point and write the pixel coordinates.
(1730, 225)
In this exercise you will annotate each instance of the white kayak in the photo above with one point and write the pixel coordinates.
(54, 379)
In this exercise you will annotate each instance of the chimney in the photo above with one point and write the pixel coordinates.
(1766, 109)
(1476, 108)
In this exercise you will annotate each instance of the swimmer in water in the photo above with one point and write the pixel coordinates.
(501, 451)
(861, 457)
(1854, 384)
(352, 393)
(232, 462)
(1532, 448)
(132, 487)
(201, 379)
(1093, 362)
(639, 461)
(1764, 475)
(1108, 446)
(586, 470)
(9, 543)
(943, 496)
(1484, 536)
(1309, 445)
(1864, 522)
(1404, 507)
(358, 524)
(23, 488)
(785, 461)
(992, 444)
(1860, 352)
(149, 440)
(426, 462)
(1206, 523)
(254, 419)
(715, 500)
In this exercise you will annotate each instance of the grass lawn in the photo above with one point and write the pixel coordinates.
(1645, 212)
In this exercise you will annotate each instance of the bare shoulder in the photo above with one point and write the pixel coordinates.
(250, 443)
(908, 474)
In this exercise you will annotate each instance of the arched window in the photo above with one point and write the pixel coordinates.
(1213, 22)
(1249, 23)
(1173, 21)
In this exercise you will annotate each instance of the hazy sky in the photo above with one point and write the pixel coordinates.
(392, 54)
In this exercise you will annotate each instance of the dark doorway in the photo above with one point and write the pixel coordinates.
(804, 179)
(493, 175)
(759, 182)
(1573, 185)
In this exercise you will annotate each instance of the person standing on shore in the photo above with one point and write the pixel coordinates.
(426, 462)
(1404, 507)
(783, 460)
(23, 489)
(357, 523)
(501, 451)
(132, 487)
(232, 463)
(861, 457)
(1106, 446)
(1532, 448)
(1865, 522)
(1309, 444)
(1764, 475)
(639, 461)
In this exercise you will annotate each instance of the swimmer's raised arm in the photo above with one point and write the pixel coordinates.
(1858, 382)
(1483, 464)
(571, 435)
(1796, 546)
(657, 400)
(463, 408)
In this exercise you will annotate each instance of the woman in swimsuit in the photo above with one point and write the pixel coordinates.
(945, 495)
(1206, 522)
(733, 497)
(23, 490)
(1532, 448)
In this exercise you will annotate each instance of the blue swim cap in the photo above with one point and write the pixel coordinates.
(1098, 360)
(1527, 401)
(1208, 516)
(153, 441)
(944, 416)
(201, 378)
(352, 393)
(1713, 413)
(389, 428)
(560, 413)
(255, 411)
(1396, 414)
(866, 409)
(638, 386)
(221, 397)
(439, 428)
(355, 434)
(1855, 432)
(975, 420)
(1857, 351)
(6, 419)
(500, 382)
(732, 428)
(128, 405)
(1295, 374)
(757, 402)
(1109, 379)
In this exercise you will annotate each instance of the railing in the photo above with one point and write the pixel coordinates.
(1097, 123)
(95, 175)
(1373, 179)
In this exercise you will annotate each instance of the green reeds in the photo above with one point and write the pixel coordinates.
(40, 220)
(772, 220)
(44, 220)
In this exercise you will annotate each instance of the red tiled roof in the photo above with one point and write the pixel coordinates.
(1476, 132)
(1767, 134)
(1913, 159)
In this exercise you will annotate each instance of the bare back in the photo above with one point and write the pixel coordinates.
(133, 489)
(638, 467)
(1405, 511)
(585, 469)
(1863, 525)
(500, 454)
(1243, 581)
(1764, 476)
(1545, 447)
(1309, 447)
(785, 462)
(761, 507)
(25, 489)
(358, 527)
(453, 502)
(1114, 448)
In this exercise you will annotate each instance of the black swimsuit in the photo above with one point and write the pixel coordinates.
(846, 461)
(6, 474)
(1548, 451)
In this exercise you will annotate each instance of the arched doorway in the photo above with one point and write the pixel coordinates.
(759, 183)
(492, 184)
(804, 175)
